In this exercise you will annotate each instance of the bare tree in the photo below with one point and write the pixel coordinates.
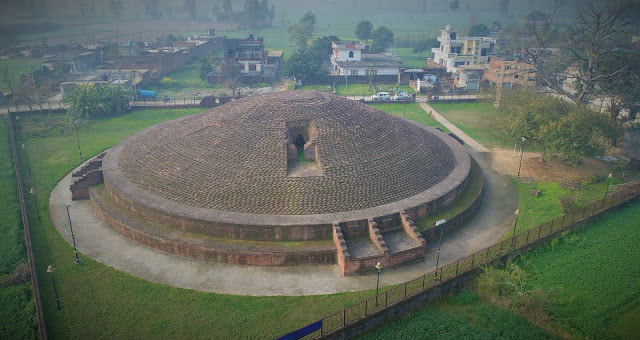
(599, 29)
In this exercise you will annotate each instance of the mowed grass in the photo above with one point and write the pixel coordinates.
(101, 302)
(593, 275)
(411, 111)
(17, 314)
(17, 67)
(478, 120)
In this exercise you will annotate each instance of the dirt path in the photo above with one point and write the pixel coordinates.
(533, 167)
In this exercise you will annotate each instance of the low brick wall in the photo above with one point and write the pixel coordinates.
(129, 229)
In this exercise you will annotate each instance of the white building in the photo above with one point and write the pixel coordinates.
(349, 59)
(456, 51)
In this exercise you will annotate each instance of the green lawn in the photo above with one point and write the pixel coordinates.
(18, 67)
(411, 111)
(101, 302)
(478, 120)
(17, 314)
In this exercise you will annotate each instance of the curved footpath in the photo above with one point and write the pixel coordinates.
(96, 240)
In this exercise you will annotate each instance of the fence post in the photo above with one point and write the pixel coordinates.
(386, 298)
(472, 259)
(486, 261)
(405, 289)
(573, 216)
(562, 223)
(440, 274)
(540, 230)
(366, 305)
(527, 240)
(322, 326)
(423, 276)
(457, 267)
(344, 318)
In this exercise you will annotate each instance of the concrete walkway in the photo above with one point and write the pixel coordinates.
(96, 240)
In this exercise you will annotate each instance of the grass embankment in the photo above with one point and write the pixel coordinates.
(536, 210)
(589, 281)
(17, 67)
(98, 301)
(17, 313)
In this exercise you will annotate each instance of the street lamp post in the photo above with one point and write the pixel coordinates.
(441, 224)
(73, 239)
(513, 238)
(379, 267)
(75, 124)
(26, 157)
(521, 154)
(50, 270)
(35, 202)
(608, 183)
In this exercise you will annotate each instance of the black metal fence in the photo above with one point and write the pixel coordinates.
(521, 241)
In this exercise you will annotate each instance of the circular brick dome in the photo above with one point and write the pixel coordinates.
(241, 157)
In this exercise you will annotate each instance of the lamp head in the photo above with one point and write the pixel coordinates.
(50, 269)
(31, 191)
(517, 212)
(610, 175)
(379, 266)
(68, 204)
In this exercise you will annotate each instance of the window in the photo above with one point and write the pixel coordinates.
(253, 67)
(350, 54)
(230, 53)
(483, 52)
(516, 76)
(354, 72)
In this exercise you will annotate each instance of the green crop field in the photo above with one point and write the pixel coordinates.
(98, 301)
(17, 316)
(463, 316)
(593, 276)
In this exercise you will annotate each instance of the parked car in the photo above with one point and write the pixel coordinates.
(381, 96)
(402, 96)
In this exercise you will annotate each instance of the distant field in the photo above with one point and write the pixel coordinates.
(18, 67)
(411, 59)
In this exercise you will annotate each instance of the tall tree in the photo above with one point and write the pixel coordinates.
(479, 30)
(363, 30)
(598, 30)
(303, 30)
(382, 39)
(205, 68)
(92, 101)
(230, 75)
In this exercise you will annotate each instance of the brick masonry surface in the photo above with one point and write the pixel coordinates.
(223, 173)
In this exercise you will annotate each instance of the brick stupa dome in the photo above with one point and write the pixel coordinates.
(283, 166)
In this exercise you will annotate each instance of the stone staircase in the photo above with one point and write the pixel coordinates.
(89, 174)
(390, 240)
